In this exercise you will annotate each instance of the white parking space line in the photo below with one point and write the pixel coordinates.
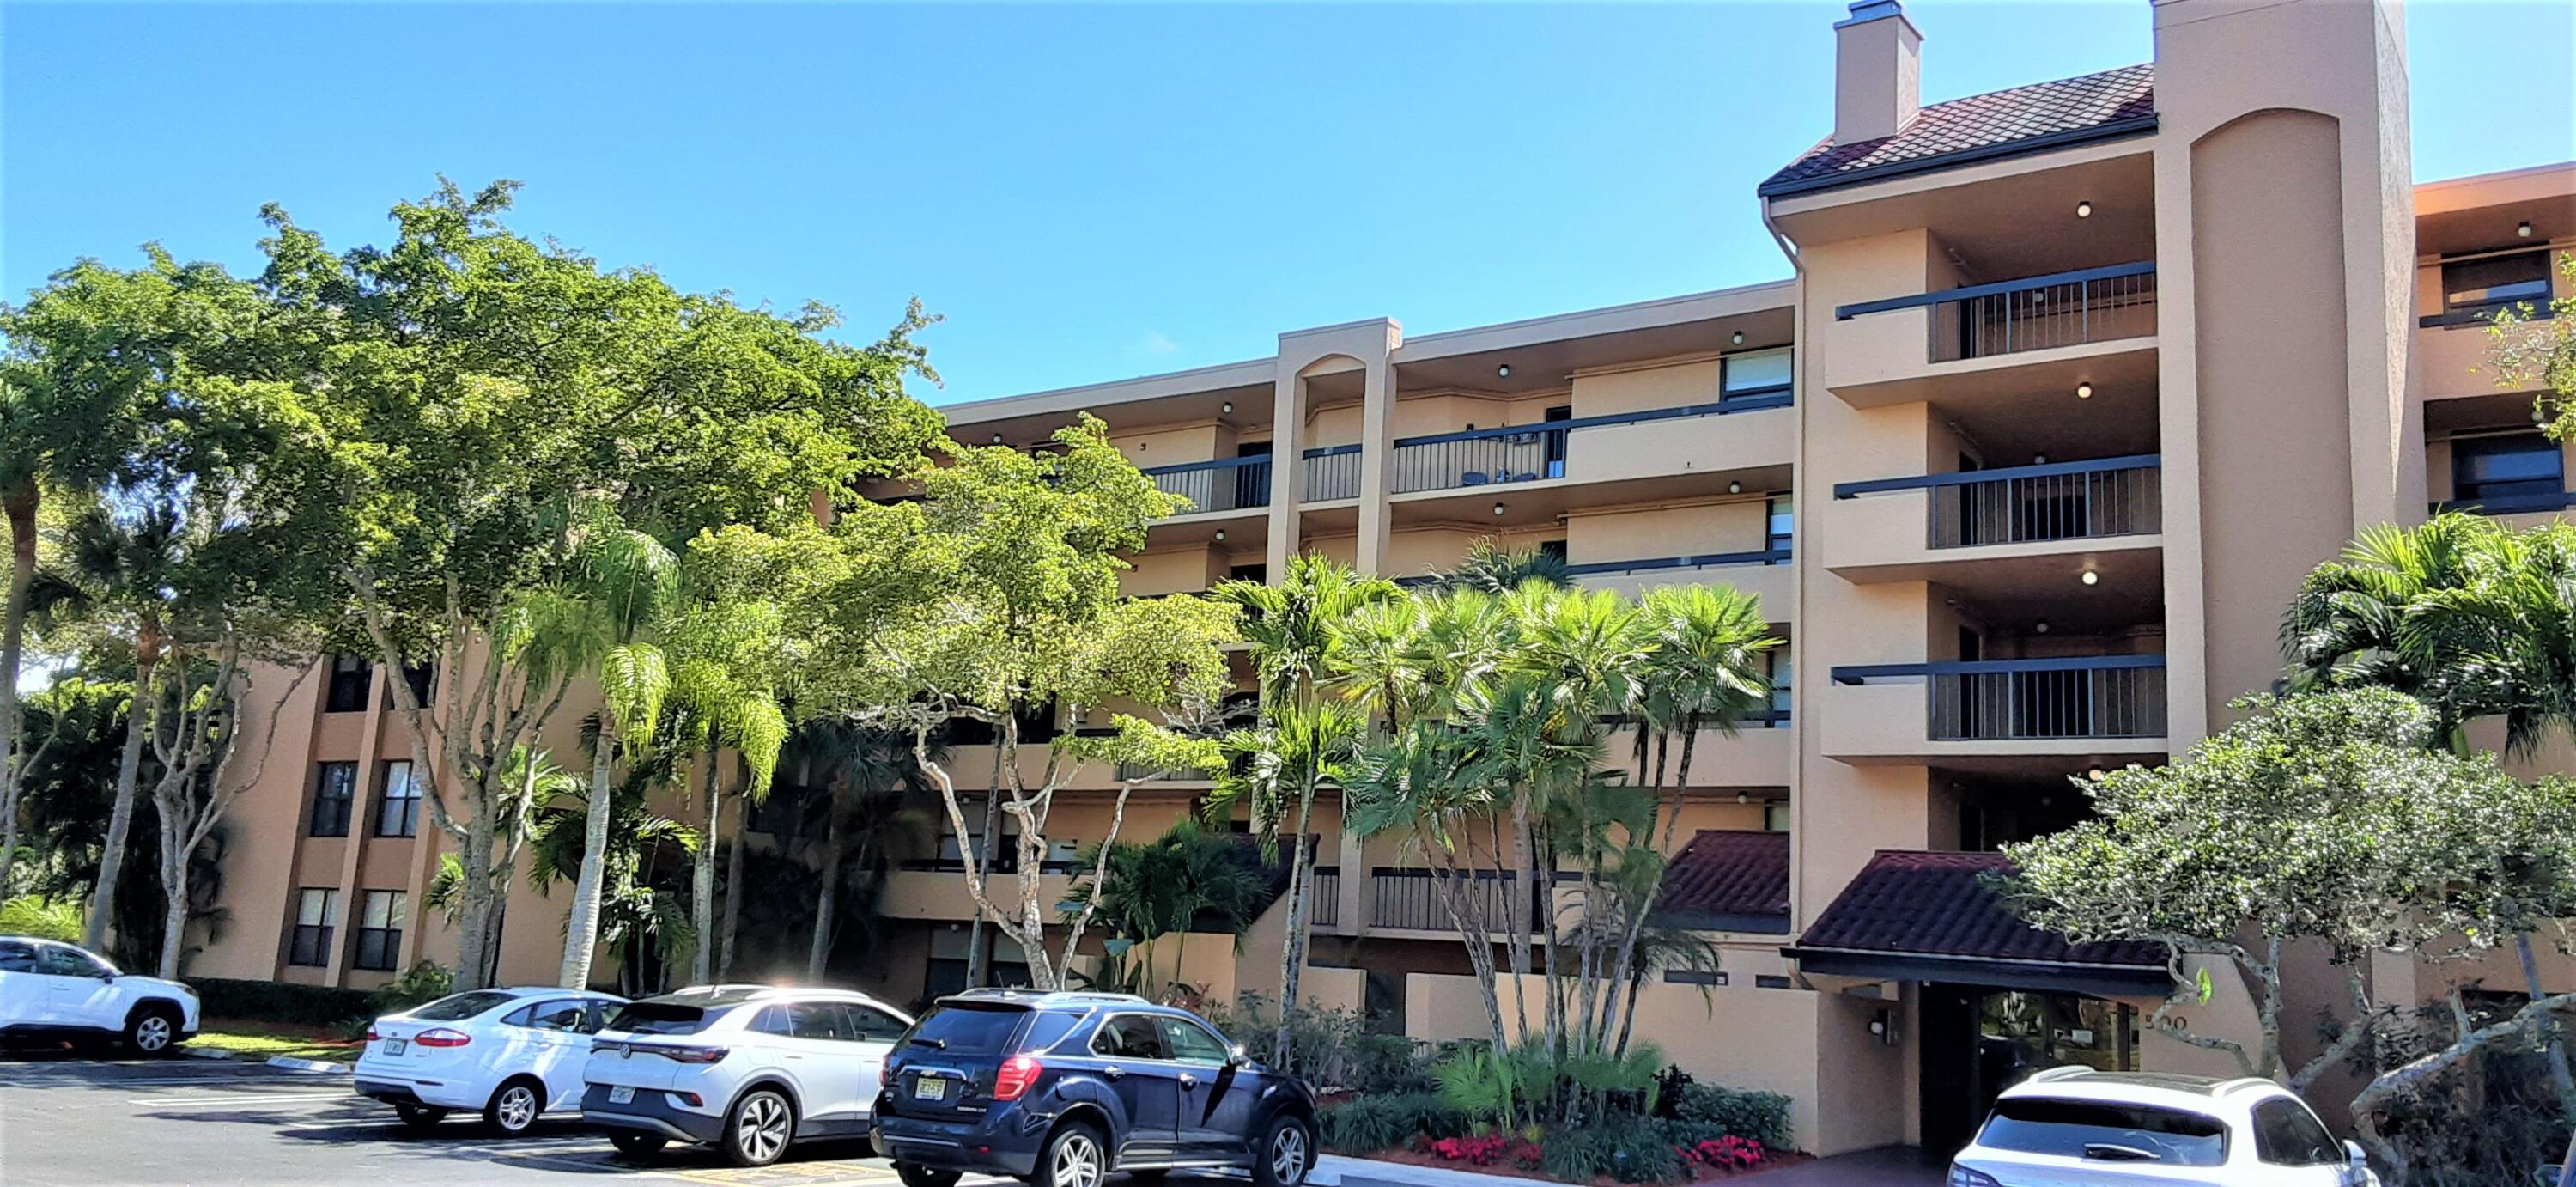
(243, 1098)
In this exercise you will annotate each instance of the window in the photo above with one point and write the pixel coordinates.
(570, 1015)
(422, 679)
(2043, 1125)
(2287, 1134)
(872, 1025)
(398, 806)
(1781, 520)
(818, 1020)
(380, 924)
(1775, 664)
(771, 1021)
(1554, 442)
(2496, 282)
(1552, 548)
(1190, 1042)
(1254, 573)
(1775, 817)
(335, 788)
(317, 911)
(347, 692)
(1129, 1036)
(965, 1031)
(2506, 465)
(1048, 1028)
(56, 960)
(665, 1018)
(1755, 373)
(457, 1007)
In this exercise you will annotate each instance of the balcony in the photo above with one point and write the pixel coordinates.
(2518, 511)
(1332, 473)
(1410, 900)
(1905, 529)
(2048, 331)
(1218, 487)
(1765, 574)
(1594, 448)
(936, 889)
(2072, 706)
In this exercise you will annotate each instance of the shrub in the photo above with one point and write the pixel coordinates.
(1373, 1123)
(1330, 1047)
(277, 1001)
(41, 917)
(1722, 1153)
(1761, 1116)
(1488, 1149)
(1630, 1151)
(419, 985)
(1382, 1063)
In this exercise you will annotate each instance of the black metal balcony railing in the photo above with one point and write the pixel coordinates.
(2120, 496)
(1528, 453)
(1325, 903)
(1226, 484)
(1332, 473)
(1003, 863)
(1411, 899)
(1711, 560)
(2033, 313)
(2093, 696)
(2545, 501)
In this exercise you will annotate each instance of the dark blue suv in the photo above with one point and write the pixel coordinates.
(1061, 1089)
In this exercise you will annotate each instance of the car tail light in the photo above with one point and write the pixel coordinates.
(442, 1037)
(691, 1099)
(1017, 1074)
(1961, 1176)
(695, 1054)
(372, 1036)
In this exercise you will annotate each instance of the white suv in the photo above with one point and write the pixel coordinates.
(747, 1067)
(509, 1054)
(2076, 1127)
(51, 990)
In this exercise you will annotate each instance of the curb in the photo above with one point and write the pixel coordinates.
(308, 1065)
(205, 1053)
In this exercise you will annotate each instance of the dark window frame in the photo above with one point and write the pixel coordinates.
(345, 690)
(2534, 443)
(397, 815)
(2462, 295)
(335, 802)
(379, 948)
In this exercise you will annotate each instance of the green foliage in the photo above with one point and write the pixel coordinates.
(1329, 1046)
(280, 1001)
(1627, 1149)
(1712, 1110)
(1183, 881)
(419, 985)
(2537, 348)
(1494, 569)
(1368, 1124)
(34, 915)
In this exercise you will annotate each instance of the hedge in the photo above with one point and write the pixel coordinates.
(278, 1001)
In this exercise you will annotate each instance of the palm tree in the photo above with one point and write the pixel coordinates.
(632, 908)
(122, 569)
(1294, 626)
(629, 579)
(1272, 769)
(1492, 568)
(876, 790)
(728, 656)
(1183, 881)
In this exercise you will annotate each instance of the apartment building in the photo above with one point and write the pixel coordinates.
(2066, 388)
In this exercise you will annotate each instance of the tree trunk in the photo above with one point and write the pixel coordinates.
(174, 886)
(735, 884)
(477, 943)
(1292, 959)
(581, 929)
(129, 768)
(980, 852)
(20, 506)
(702, 879)
(2557, 1050)
(827, 899)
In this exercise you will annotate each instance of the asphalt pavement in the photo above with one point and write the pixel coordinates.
(68, 1120)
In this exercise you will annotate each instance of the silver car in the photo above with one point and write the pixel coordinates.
(2076, 1127)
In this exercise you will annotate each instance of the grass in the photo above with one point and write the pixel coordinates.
(268, 1040)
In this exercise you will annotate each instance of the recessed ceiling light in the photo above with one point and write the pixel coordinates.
(1498, 508)
(1227, 408)
(2040, 627)
(2083, 210)
(2095, 774)
(1220, 535)
(1738, 337)
(2083, 391)
(1504, 371)
(2092, 578)
(1735, 488)
(2523, 231)
(997, 438)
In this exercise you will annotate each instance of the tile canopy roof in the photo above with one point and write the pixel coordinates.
(2042, 115)
(1729, 872)
(1937, 904)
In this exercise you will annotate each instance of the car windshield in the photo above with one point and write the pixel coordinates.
(2105, 1131)
(966, 1029)
(664, 1018)
(461, 1006)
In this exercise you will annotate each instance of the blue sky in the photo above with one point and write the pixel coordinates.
(1086, 193)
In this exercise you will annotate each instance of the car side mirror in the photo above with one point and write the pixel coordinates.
(2354, 1155)
(1236, 1056)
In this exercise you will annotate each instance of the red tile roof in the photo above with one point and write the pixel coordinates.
(1729, 872)
(1938, 904)
(2111, 103)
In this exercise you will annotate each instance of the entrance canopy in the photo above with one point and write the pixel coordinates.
(1910, 916)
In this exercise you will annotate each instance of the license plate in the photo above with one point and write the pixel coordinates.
(929, 1088)
(395, 1046)
(622, 1094)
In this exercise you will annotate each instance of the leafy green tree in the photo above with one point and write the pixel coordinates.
(871, 780)
(2323, 818)
(628, 581)
(1186, 880)
(487, 396)
(128, 568)
(730, 657)
(2532, 346)
(995, 598)
(637, 906)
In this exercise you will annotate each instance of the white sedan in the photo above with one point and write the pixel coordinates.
(512, 1054)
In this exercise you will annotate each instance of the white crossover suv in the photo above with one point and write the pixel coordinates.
(2076, 1127)
(509, 1054)
(55, 991)
(749, 1068)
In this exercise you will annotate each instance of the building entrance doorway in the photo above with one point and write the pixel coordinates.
(1978, 1041)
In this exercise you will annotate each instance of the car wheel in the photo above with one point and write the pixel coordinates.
(420, 1118)
(1286, 1153)
(514, 1107)
(1074, 1157)
(152, 1031)
(916, 1175)
(637, 1143)
(758, 1131)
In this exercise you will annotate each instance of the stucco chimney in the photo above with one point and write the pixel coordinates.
(1878, 66)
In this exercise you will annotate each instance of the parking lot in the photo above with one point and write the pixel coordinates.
(67, 1120)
